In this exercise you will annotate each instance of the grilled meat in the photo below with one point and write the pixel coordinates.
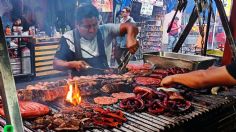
(80, 120)
(122, 95)
(41, 95)
(105, 100)
(30, 109)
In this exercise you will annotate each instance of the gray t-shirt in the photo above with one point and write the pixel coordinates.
(67, 48)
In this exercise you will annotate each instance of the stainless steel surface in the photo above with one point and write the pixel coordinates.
(8, 87)
(170, 59)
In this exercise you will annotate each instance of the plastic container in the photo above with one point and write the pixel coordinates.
(26, 61)
(15, 65)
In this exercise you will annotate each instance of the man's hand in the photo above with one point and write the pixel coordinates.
(132, 45)
(78, 65)
(167, 81)
(132, 31)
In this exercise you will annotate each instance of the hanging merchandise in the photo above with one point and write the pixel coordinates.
(103, 5)
(26, 62)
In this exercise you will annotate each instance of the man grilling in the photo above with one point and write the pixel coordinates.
(90, 44)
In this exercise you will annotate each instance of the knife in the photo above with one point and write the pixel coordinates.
(124, 61)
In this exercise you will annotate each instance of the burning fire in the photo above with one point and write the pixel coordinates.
(73, 95)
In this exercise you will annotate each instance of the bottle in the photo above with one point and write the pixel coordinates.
(65, 30)
(8, 30)
(60, 31)
(51, 31)
(26, 61)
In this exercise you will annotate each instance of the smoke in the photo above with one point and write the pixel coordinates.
(5, 6)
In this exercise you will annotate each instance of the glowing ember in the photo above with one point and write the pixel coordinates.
(73, 95)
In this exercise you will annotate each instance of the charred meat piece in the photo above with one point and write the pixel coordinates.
(159, 76)
(143, 92)
(30, 109)
(115, 87)
(118, 115)
(122, 95)
(147, 81)
(108, 118)
(105, 100)
(132, 104)
(141, 72)
(162, 96)
(41, 95)
(145, 66)
(176, 70)
(156, 107)
(175, 96)
(58, 122)
(177, 106)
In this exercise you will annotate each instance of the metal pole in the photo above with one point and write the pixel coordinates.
(213, 32)
(186, 31)
(225, 23)
(8, 87)
(208, 28)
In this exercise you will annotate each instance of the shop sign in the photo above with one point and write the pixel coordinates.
(153, 2)
(227, 5)
(146, 9)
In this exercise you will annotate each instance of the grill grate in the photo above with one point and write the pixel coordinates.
(145, 122)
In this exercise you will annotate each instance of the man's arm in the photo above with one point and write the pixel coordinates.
(131, 30)
(61, 65)
(63, 59)
(201, 78)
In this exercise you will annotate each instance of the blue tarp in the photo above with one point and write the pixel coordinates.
(123, 3)
(171, 4)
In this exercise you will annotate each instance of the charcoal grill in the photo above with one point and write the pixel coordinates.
(210, 113)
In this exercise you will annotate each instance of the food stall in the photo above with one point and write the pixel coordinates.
(129, 101)
(132, 101)
(44, 50)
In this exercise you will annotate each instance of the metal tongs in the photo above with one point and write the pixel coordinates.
(124, 61)
(90, 67)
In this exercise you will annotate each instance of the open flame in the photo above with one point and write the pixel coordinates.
(73, 95)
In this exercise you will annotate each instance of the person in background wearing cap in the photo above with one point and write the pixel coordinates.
(214, 76)
(89, 44)
(120, 47)
(173, 34)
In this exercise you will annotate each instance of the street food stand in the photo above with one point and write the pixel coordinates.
(132, 101)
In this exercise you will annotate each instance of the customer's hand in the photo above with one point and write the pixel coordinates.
(78, 65)
(132, 45)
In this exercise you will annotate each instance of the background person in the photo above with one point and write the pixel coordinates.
(120, 47)
(173, 34)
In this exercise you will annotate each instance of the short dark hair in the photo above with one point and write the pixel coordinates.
(128, 9)
(86, 11)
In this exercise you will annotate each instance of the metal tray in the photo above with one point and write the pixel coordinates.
(170, 59)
